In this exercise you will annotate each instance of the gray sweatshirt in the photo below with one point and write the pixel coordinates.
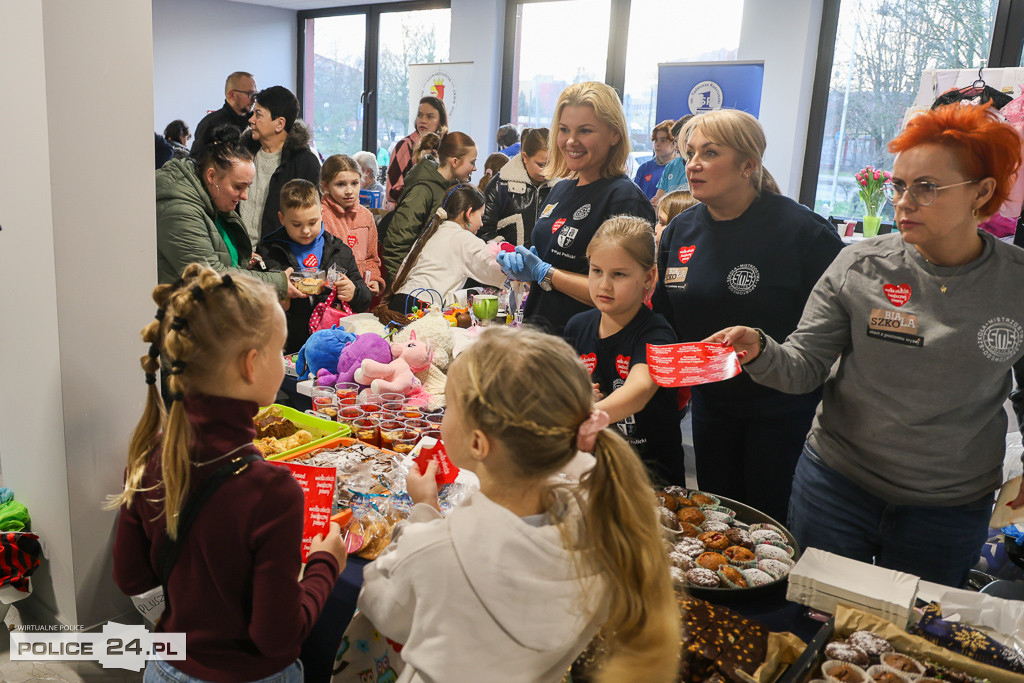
(913, 410)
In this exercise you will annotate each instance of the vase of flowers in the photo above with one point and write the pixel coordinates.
(871, 181)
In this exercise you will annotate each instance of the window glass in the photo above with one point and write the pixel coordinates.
(881, 48)
(416, 37)
(339, 48)
(557, 43)
(663, 31)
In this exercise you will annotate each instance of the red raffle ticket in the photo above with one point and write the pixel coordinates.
(684, 365)
(317, 485)
(446, 469)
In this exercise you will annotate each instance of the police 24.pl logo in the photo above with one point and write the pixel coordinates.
(1000, 338)
(743, 279)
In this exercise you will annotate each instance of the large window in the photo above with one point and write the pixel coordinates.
(354, 84)
(556, 43)
(880, 50)
(667, 31)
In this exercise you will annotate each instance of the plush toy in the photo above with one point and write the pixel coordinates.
(322, 350)
(368, 345)
(409, 357)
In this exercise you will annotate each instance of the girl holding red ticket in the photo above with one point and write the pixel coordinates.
(514, 583)
(611, 340)
(917, 337)
(744, 253)
(201, 513)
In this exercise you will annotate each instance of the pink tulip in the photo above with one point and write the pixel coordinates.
(877, 175)
(864, 183)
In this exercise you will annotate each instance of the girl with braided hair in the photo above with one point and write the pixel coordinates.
(232, 587)
(529, 569)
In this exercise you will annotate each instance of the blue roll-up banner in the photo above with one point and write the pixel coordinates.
(699, 87)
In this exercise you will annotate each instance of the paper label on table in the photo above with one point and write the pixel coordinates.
(317, 484)
(684, 365)
(446, 469)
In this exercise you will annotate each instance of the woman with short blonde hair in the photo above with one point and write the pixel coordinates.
(588, 147)
(744, 253)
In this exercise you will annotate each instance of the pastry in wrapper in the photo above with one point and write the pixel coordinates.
(843, 672)
(845, 652)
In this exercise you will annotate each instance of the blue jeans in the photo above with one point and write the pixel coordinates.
(830, 512)
(159, 671)
(747, 449)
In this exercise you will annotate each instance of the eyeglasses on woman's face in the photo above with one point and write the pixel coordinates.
(923, 193)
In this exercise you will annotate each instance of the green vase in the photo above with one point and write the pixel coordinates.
(871, 225)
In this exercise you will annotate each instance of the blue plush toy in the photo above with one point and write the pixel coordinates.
(322, 350)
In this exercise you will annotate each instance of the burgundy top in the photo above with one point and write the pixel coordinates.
(235, 590)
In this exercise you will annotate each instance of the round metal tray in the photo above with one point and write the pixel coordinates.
(745, 516)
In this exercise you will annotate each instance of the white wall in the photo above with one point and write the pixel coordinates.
(77, 264)
(785, 36)
(478, 34)
(197, 43)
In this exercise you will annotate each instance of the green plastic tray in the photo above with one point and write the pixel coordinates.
(321, 430)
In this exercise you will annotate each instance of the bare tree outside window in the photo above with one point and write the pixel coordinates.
(881, 49)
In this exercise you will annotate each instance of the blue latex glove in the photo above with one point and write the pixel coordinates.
(511, 265)
(533, 267)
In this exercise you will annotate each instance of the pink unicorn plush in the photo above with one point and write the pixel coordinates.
(397, 376)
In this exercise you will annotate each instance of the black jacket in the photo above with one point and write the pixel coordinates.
(278, 256)
(512, 204)
(297, 161)
(223, 116)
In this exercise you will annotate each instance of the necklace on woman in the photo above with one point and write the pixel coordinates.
(942, 288)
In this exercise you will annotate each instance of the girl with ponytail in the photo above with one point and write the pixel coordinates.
(529, 569)
(232, 587)
(448, 252)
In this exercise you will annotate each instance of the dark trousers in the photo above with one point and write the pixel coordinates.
(747, 450)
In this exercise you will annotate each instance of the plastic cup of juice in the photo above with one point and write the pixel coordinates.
(388, 430)
(367, 430)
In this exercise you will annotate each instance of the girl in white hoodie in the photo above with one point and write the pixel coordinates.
(513, 584)
(448, 252)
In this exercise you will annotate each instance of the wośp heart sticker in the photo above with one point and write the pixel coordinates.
(590, 361)
(897, 294)
(686, 252)
(622, 365)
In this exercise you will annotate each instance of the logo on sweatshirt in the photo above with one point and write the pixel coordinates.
(622, 365)
(548, 208)
(310, 261)
(647, 178)
(1000, 339)
(581, 212)
(557, 224)
(351, 239)
(743, 279)
(686, 252)
(566, 236)
(897, 294)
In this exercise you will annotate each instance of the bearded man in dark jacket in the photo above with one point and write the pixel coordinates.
(239, 91)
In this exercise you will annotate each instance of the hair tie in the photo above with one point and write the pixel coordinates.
(586, 435)
(150, 378)
(175, 396)
(447, 196)
(198, 294)
(178, 323)
(226, 281)
(160, 314)
(178, 284)
(154, 351)
(178, 367)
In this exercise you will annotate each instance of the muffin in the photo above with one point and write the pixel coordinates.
(681, 560)
(737, 553)
(703, 578)
(740, 537)
(765, 551)
(774, 567)
(687, 529)
(732, 576)
(691, 515)
(720, 527)
(678, 576)
(690, 547)
(902, 663)
(703, 499)
(712, 561)
(844, 672)
(668, 519)
(667, 501)
(714, 540)
(844, 652)
(882, 674)
(756, 577)
(872, 643)
(767, 536)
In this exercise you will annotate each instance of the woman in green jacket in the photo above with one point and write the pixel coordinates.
(425, 188)
(197, 219)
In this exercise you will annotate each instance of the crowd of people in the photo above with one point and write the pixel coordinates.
(870, 406)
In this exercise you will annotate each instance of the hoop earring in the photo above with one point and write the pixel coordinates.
(974, 214)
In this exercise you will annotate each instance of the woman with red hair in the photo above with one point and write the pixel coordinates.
(927, 326)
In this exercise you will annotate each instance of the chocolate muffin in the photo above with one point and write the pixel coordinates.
(900, 662)
(740, 537)
(668, 519)
(845, 652)
(872, 643)
(703, 578)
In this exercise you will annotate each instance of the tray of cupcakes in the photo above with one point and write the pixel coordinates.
(722, 549)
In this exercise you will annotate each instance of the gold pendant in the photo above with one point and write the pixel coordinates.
(943, 289)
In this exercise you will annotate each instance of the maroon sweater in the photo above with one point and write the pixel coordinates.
(235, 590)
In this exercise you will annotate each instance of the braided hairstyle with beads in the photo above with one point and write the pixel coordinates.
(528, 391)
(203, 321)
